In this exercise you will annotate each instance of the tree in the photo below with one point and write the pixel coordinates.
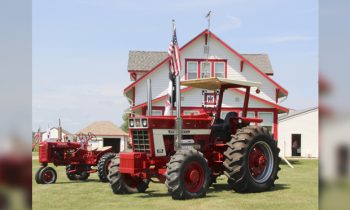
(125, 124)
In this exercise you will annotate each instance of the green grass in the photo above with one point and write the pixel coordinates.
(296, 189)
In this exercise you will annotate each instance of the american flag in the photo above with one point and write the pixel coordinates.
(174, 70)
(37, 136)
(174, 54)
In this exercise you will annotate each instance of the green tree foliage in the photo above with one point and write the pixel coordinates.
(125, 126)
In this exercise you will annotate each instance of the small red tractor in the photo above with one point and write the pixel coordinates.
(206, 148)
(78, 158)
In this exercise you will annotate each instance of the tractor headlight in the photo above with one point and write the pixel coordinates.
(137, 123)
(131, 123)
(144, 123)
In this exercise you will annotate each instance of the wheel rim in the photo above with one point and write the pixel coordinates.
(260, 162)
(193, 177)
(48, 176)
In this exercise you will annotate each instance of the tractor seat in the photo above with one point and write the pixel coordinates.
(221, 128)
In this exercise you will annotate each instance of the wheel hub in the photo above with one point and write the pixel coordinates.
(194, 176)
(257, 161)
(260, 161)
(47, 176)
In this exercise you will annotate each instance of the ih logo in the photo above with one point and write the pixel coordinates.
(209, 98)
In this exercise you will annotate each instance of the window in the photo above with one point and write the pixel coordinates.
(219, 68)
(189, 112)
(192, 70)
(155, 112)
(205, 70)
(267, 118)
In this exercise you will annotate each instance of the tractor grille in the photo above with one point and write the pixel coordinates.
(140, 140)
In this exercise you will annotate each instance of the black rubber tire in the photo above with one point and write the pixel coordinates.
(236, 159)
(118, 181)
(37, 179)
(176, 170)
(76, 176)
(41, 175)
(212, 180)
(102, 166)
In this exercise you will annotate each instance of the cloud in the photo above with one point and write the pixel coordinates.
(229, 23)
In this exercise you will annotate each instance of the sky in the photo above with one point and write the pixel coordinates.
(80, 49)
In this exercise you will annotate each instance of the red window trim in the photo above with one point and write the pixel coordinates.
(199, 66)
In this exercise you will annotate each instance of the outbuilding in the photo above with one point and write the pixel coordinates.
(298, 133)
(107, 134)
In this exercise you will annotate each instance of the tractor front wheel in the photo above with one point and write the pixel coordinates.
(188, 175)
(47, 175)
(251, 160)
(103, 164)
(77, 172)
(124, 183)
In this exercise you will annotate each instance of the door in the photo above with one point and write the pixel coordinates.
(114, 142)
(296, 144)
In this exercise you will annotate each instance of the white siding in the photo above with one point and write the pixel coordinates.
(305, 124)
(217, 51)
(194, 98)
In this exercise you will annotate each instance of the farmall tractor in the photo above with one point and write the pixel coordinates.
(78, 157)
(207, 148)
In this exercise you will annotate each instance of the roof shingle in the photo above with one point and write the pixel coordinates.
(101, 128)
(146, 60)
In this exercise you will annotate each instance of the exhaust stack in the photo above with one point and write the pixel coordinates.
(149, 97)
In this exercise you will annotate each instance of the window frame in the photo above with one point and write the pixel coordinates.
(211, 66)
(187, 69)
(201, 68)
(214, 70)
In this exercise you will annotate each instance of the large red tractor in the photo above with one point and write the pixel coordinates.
(76, 156)
(206, 148)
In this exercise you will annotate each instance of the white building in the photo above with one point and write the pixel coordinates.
(222, 61)
(335, 147)
(298, 133)
(52, 135)
(107, 134)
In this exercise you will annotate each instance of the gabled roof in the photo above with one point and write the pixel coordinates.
(281, 93)
(262, 61)
(103, 128)
(298, 113)
(146, 60)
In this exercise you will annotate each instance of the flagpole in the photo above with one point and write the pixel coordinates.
(178, 110)
(208, 39)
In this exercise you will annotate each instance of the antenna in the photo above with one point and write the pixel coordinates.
(206, 47)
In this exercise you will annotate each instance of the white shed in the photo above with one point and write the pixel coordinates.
(298, 133)
(107, 134)
(52, 135)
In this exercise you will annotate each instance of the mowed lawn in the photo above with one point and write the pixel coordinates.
(295, 189)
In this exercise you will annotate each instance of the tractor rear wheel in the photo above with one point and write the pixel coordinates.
(251, 160)
(103, 165)
(47, 175)
(124, 183)
(79, 174)
(187, 175)
(37, 179)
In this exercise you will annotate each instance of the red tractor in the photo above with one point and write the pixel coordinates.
(206, 148)
(76, 156)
